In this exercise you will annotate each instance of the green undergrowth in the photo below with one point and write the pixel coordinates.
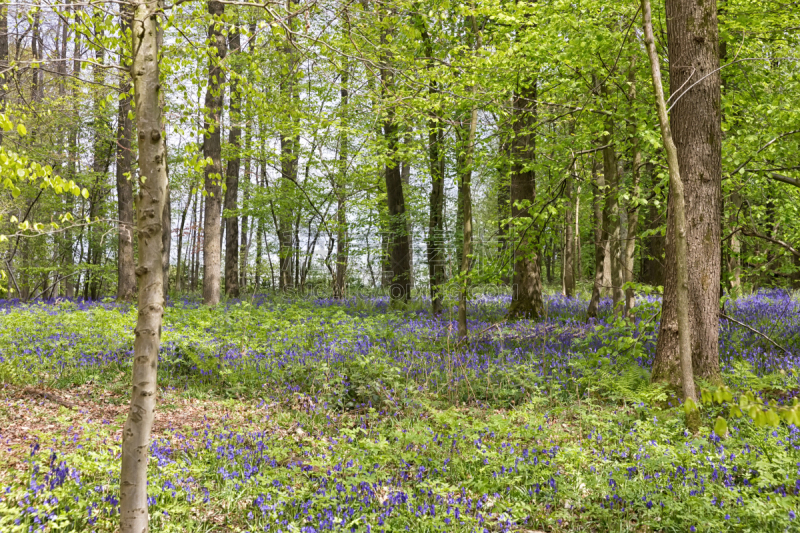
(300, 418)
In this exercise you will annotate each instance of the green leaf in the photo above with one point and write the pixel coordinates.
(721, 427)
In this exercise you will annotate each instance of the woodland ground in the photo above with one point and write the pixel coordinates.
(317, 415)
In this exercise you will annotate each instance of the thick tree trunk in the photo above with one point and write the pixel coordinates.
(678, 222)
(398, 238)
(526, 299)
(146, 42)
(232, 180)
(600, 240)
(126, 268)
(695, 121)
(212, 150)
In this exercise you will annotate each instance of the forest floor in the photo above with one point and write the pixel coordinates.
(316, 415)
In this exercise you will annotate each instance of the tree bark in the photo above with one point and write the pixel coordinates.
(3, 58)
(611, 219)
(629, 256)
(568, 263)
(734, 261)
(526, 299)
(465, 179)
(696, 127)
(232, 180)
(340, 190)
(398, 239)
(678, 223)
(652, 271)
(102, 153)
(600, 240)
(126, 267)
(212, 150)
(146, 44)
(166, 229)
(290, 152)
(179, 267)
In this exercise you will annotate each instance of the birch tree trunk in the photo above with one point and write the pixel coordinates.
(146, 44)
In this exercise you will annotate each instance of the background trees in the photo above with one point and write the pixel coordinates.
(333, 142)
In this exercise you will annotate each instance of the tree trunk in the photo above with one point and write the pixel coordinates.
(695, 121)
(600, 240)
(102, 152)
(146, 42)
(577, 263)
(568, 263)
(398, 241)
(36, 74)
(435, 245)
(232, 180)
(212, 150)
(734, 261)
(290, 151)
(72, 160)
(3, 58)
(652, 271)
(179, 267)
(244, 246)
(126, 269)
(166, 231)
(526, 299)
(465, 179)
(611, 219)
(341, 198)
(678, 224)
(198, 244)
(629, 255)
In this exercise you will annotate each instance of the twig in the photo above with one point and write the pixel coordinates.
(48, 396)
(726, 317)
